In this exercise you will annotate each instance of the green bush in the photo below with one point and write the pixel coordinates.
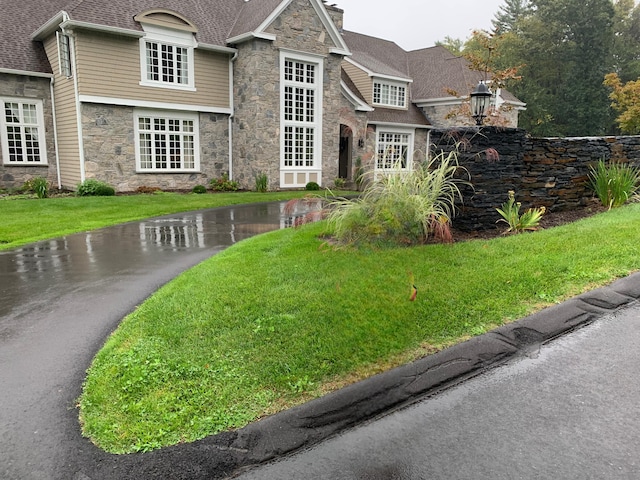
(96, 188)
(614, 184)
(199, 189)
(510, 212)
(262, 183)
(339, 182)
(223, 184)
(312, 186)
(402, 209)
(38, 185)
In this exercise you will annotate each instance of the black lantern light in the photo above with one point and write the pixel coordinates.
(480, 100)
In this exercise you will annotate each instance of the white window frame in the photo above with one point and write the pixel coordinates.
(33, 124)
(389, 143)
(171, 40)
(64, 54)
(301, 123)
(153, 157)
(389, 94)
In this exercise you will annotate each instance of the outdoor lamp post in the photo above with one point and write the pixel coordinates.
(480, 99)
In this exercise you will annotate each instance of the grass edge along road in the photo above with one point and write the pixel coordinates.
(278, 319)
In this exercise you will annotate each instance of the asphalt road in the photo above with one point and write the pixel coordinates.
(569, 410)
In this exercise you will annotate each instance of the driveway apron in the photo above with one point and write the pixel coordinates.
(60, 299)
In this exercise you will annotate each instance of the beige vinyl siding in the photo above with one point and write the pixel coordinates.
(361, 79)
(66, 120)
(109, 66)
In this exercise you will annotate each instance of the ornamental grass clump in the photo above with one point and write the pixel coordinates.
(405, 208)
(510, 212)
(614, 184)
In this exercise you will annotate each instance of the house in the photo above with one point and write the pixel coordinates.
(174, 93)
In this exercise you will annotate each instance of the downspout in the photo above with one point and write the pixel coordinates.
(231, 106)
(55, 131)
(74, 73)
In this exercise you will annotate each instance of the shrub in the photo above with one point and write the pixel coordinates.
(262, 183)
(39, 186)
(199, 189)
(223, 184)
(510, 212)
(93, 187)
(614, 184)
(403, 208)
(312, 186)
(339, 182)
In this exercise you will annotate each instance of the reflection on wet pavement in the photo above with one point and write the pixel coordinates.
(36, 275)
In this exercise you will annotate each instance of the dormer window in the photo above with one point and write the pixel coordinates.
(166, 51)
(389, 94)
(167, 63)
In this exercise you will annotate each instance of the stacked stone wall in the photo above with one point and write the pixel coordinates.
(26, 87)
(549, 172)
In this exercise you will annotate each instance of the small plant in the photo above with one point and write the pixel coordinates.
(93, 187)
(510, 212)
(614, 184)
(223, 184)
(199, 189)
(339, 182)
(312, 186)
(262, 183)
(39, 186)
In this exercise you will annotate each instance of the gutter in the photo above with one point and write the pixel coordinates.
(74, 73)
(231, 115)
(55, 131)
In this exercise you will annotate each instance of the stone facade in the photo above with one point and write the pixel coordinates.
(109, 148)
(21, 86)
(549, 172)
(256, 125)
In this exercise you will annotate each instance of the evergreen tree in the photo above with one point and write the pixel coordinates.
(509, 14)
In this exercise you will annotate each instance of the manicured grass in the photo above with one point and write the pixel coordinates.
(278, 319)
(29, 220)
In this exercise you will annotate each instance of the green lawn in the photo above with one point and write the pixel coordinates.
(28, 220)
(281, 318)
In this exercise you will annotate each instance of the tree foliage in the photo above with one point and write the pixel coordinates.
(626, 101)
(561, 50)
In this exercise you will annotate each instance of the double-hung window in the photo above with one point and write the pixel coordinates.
(167, 58)
(389, 94)
(394, 150)
(167, 142)
(301, 117)
(22, 132)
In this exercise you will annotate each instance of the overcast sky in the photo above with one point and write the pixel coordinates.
(415, 24)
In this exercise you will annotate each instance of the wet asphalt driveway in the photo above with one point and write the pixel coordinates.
(59, 301)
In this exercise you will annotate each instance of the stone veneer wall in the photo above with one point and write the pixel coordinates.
(550, 172)
(109, 147)
(22, 86)
(256, 124)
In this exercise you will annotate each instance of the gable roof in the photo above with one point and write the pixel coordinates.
(378, 56)
(435, 72)
(216, 21)
(440, 72)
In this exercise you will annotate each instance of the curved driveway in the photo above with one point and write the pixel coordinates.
(60, 299)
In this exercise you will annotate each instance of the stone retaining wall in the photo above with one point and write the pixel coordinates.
(549, 172)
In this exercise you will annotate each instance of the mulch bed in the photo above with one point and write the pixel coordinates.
(549, 220)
